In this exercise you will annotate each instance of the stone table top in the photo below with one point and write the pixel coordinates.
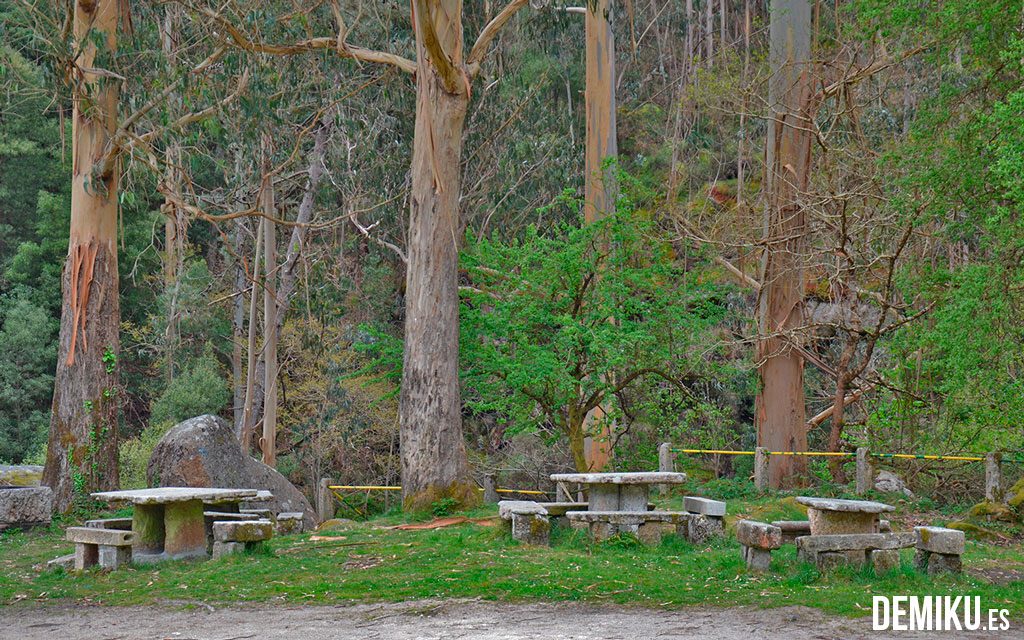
(643, 477)
(164, 495)
(850, 506)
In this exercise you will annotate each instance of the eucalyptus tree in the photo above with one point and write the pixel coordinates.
(780, 404)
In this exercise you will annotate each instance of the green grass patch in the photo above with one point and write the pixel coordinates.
(366, 562)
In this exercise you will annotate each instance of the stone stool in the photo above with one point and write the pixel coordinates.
(110, 548)
(938, 550)
(237, 536)
(528, 520)
(709, 521)
(758, 540)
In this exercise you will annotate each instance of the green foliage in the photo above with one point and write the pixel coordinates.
(27, 345)
(444, 507)
(560, 321)
(198, 390)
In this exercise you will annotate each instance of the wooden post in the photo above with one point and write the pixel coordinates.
(490, 488)
(761, 468)
(993, 477)
(325, 500)
(666, 462)
(864, 471)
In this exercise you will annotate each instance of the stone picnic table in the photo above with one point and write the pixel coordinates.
(620, 491)
(829, 516)
(168, 522)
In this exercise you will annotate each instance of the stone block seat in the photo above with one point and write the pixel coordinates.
(110, 548)
(758, 540)
(528, 520)
(236, 536)
(939, 549)
(288, 523)
(829, 551)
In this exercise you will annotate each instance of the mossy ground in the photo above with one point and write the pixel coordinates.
(365, 561)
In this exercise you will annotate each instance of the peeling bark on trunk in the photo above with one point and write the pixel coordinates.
(433, 452)
(82, 449)
(780, 410)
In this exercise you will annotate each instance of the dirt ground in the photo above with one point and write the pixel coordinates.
(429, 620)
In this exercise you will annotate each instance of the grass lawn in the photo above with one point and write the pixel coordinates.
(365, 561)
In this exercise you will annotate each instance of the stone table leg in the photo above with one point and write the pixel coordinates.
(148, 527)
(825, 522)
(604, 497)
(185, 529)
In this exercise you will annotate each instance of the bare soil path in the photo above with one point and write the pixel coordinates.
(430, 620)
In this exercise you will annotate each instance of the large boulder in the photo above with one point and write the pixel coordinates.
(21, 475)
(204, 452)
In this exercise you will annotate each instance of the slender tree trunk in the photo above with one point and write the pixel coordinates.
(250, 366)
(780, 407)
(268, 443)
(82, 449)
(709, 32)
(691, 25)
(302, 218)
(238, 331)
(843, 379)
(433, 451)
(601, 188)
(740, 147)
(174, 217)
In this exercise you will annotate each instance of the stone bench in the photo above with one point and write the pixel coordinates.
(711, 522)
(288, 523)
(793, 529)
(648, 526)
(110, 548)
(528, 520)
(119, 524)
(856, 549)
(939, 550)
(235, 536)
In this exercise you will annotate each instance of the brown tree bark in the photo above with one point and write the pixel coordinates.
(268, 443)
(433, 452)
(82, 449)
(600, 186)
(780, 406)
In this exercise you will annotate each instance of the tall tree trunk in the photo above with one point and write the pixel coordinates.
(780, 407)
(174, 217)
(316, 170)
(743, 110)
(238, 331)
(250, 366)
(433, 451)
(709, 32)
(268, 443)
(82, 449)
(601, 188)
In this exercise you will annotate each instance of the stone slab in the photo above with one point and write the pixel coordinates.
(561, 508)
(856, 541)
(758, 535)
(167, 495)
(940, 540)
(631, 518)
(851, 506)
(114, 558)
(123, 524)
(700, 528)
(90, 535)
(64, 562)
(221, 549)
(943, 563)
(704, 505)
(508, 508)
(250, 531)
(826, 522)
(644, 477)
(757, 559)
(25, 506)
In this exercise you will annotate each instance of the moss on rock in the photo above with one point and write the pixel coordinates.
(973, 531)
